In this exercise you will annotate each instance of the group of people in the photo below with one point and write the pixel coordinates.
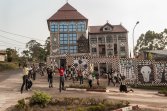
(71, 73)
(115, 77)
(29, 74)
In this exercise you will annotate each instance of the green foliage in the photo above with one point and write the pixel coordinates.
(85, 86)
(99, 107)
(40, 98)
(151, 41)
(7, 66)
(12, 55)
(163, 91)
(21, 104)
(36, 52)
(47, 46)
(155, 87)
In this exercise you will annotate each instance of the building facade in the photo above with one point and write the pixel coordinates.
(68, 36)
(108, 40)
(2, 55)
(66, 28)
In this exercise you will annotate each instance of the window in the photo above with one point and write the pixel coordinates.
(63, 27)
(54, 27)
(72, 27)
(94, 50)
(110, 52)
(101, 40)
(81, 27)
(73, 38)
(107, 28)
(109, 39)
(63, 39)
(63, 49)
(52, 39)
(122, 49)
(93, 40)
(73, 49)
(122, 38)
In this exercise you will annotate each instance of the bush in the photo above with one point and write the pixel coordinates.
(21, 104)
(163, 91)
(7, 66)
(99, 107)
(40, 98)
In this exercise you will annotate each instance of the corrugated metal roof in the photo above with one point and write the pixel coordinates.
(162, 52)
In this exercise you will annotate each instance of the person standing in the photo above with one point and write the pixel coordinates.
(50, 77)
(97, 77)
(80, 74)
(90, 80)
(61, 74)
(34, 72)
(25, 78)
(110, 77)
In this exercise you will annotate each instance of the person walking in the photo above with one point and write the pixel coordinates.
(25, 78)
(61, 74)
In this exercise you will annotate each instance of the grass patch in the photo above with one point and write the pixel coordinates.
(7, 66)
(163, 91)
(155, 87)
(85, 86)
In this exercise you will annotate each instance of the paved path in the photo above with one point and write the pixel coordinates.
(10, 88)
(10, 84)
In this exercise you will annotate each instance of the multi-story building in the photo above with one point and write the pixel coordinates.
(68, 36)
(67, 27)
(108, 40)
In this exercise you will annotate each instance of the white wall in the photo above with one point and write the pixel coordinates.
(2, 57)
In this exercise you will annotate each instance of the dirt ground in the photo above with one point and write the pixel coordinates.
(10, 83)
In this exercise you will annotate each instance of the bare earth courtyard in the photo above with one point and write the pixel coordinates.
(10, 83)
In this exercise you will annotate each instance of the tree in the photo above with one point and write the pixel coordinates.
(151, 41)
(47, 46)
(36, 51)
(12, 55)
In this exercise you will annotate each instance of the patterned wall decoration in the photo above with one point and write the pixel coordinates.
(161, 73)
(145, 72)
(79, 62)
(127, 69)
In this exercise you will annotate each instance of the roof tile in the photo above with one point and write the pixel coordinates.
(67, 12)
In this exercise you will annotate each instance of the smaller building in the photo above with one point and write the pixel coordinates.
(2, 55)
(106, 41)
(157, 55)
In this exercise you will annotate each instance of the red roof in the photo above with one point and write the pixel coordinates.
(115, 29)
(67, 12)
(2, 52)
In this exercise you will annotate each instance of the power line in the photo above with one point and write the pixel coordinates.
(20, 35)
(10, 43)
(11, 46)
(12, 39)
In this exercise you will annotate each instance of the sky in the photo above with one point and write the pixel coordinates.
(29, 17)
